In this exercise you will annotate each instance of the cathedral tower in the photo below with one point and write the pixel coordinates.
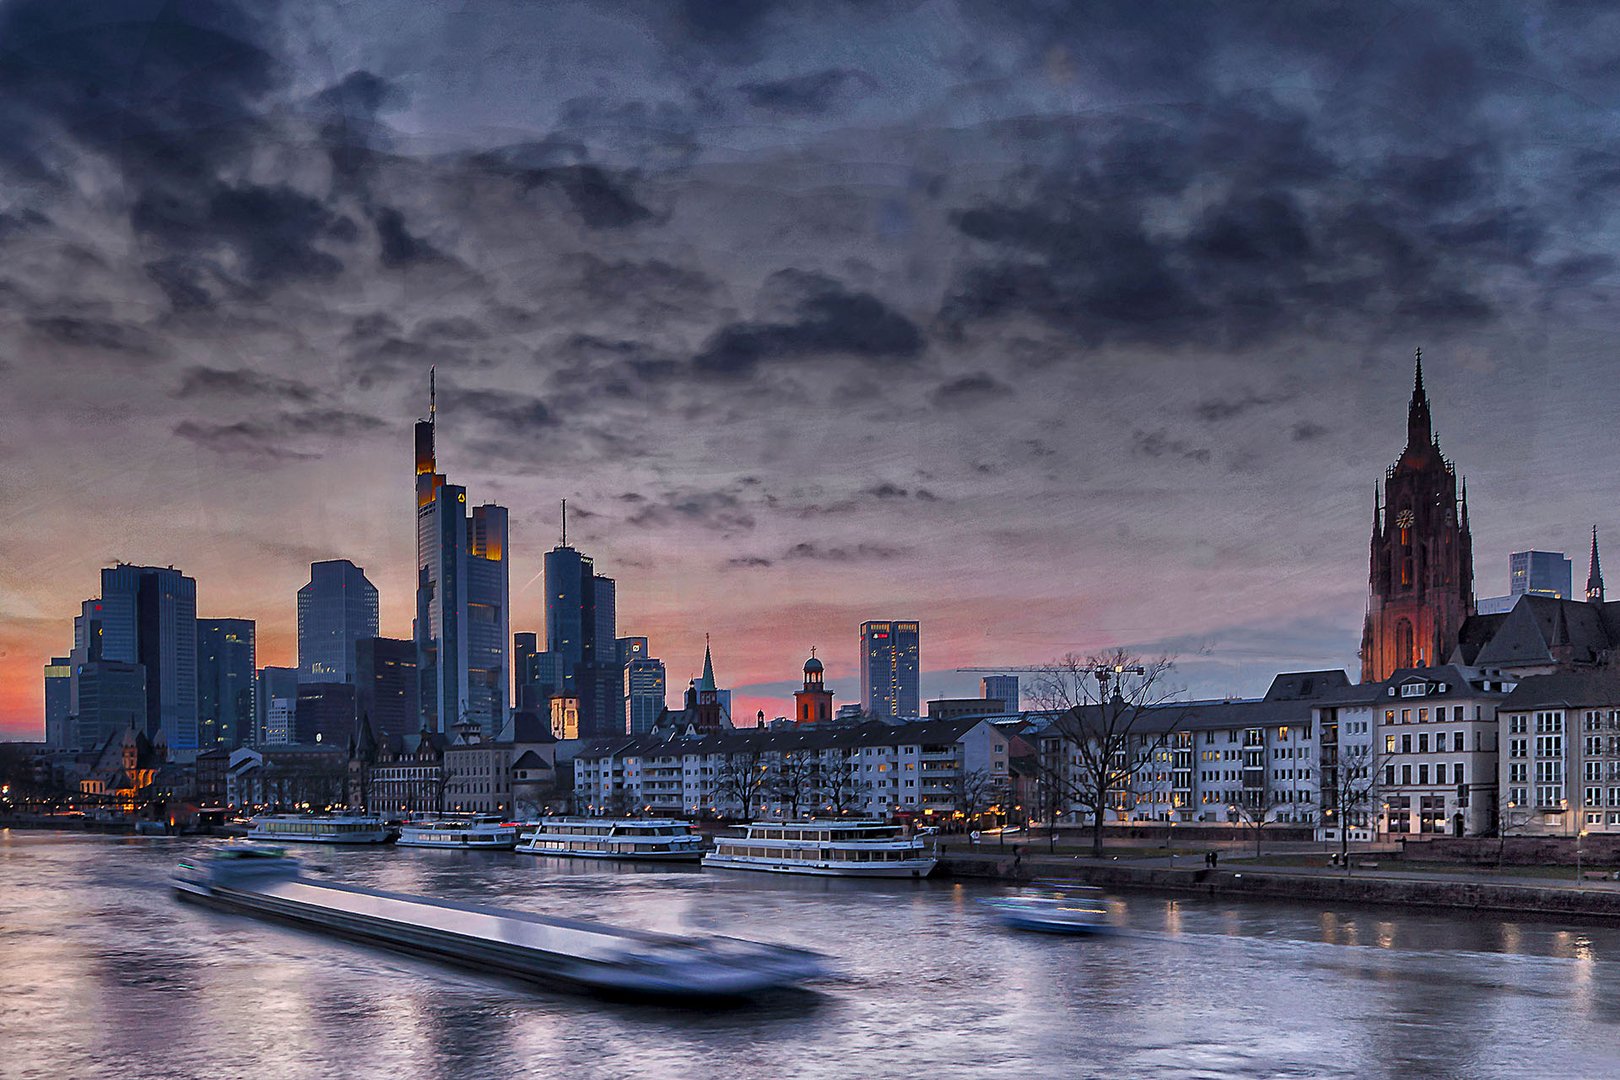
(1422, 565)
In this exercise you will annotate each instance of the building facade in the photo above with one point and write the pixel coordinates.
(1438, 751)
(645, 686)
(275, 697)
(1002, 688)
(323, 714)
(59, 703)
(1560, 773)
(891, 666)
(1422, 564)
(227, 680)
(336, 608)
(147, 615)
(385, 684)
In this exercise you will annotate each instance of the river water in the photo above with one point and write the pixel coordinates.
(104, 974)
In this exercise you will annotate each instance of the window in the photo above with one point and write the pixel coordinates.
(1389, 744)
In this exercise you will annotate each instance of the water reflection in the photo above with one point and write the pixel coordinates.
(104, 973)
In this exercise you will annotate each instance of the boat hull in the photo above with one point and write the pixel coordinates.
(638, 856)
(910, 868)
(380, 836)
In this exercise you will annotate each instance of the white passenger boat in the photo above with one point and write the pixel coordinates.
(651, 839)
(826, 848)
(482, 831)
(312, 829)
(585, 955)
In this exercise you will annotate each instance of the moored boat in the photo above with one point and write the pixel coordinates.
(584, 955)
(319, 829)
(827, 849)
(647, 839)
(480, 831)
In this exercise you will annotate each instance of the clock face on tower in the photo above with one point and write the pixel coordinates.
(1404, 519)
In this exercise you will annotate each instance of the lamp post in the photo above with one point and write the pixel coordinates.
(1579, 841)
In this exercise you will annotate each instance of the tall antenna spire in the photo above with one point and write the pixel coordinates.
(433, 392)
(565, 523)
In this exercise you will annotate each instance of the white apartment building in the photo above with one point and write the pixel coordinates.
(1560, 764)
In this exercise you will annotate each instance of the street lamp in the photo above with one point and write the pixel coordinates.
(1579, 841)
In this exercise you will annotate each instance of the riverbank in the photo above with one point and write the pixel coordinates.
(1586, 899)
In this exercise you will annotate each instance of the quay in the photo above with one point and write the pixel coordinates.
(1380, 884)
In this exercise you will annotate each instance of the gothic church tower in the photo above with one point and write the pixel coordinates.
(1422, 565)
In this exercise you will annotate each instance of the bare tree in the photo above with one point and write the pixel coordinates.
(973, 791)
(1261, 812)
(742, 777)
(793, 778)
(1349, 789)
(1108, 715)
(841, 786)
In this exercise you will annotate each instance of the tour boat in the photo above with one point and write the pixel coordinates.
(1053, 908)
(584, 955)
(477, 831)
(648, 839)
(826, 848)
(307, 829)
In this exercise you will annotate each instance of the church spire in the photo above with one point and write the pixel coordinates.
(1419, 432)
(1594, 576)
(1378, 517)
(707, 681)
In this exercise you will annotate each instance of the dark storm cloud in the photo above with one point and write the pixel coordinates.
(602, 198)
(519, 414)
(975, 389)
(1158, 444)
(277, 232)
(242, 383)
(812, 93)
(830, 320)
(105, 335)
(1307, 431)
(719, 511)
(1217, 409)
(288, 435)
(400, 246)
(842, 553)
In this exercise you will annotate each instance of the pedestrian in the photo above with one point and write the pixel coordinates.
(1214, 860)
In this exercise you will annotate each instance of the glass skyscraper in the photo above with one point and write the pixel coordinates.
(59, 703)
(890, 668)
(463, 627)
(226, 682)
(1540, 573)
(582, 649)
(147, 615)
(336, 609)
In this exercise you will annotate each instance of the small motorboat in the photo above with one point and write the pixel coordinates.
(1054, 909)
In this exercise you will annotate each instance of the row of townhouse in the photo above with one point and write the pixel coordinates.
(929, 767)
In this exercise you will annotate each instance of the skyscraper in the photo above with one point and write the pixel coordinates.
(323, 715)
(109, 697)
(582, 656)
(1541, 573)
(891, 657)
(273, 699)
(385, 685)
(226, 682)
(337, 608)
(59, 703)
(463, 628)
(147, 615)
(1002, 688)
(1421, 577)
(645, 682)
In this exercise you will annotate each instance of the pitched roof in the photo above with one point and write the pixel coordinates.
(1528, 633)
(530, 760)
(1566, 688)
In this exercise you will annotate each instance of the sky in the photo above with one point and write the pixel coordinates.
(1056, 327)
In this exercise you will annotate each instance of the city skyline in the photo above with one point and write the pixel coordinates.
(756, 327)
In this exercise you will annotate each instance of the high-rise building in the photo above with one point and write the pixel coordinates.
(891, 658)
(463, 628)
(226, 678)
(323, 714)
(109, 697)
(525, 647)
(645, 682)
(147, 615)
(274, 698)
(1541, 573)
(59, 703)
(385, 685)
(581, 640)
(336, 609)
(1002, 688)
(1422, 567)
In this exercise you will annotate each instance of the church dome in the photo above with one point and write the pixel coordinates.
(812, 664)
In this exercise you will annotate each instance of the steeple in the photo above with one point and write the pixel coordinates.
(1419, 431)
(1594, 576)
(1378, 517)
(706, 683)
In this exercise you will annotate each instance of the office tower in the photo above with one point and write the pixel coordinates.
(644, 685)
(147, 615)
(525, 647)
(273, 700)
(1541, 573)
(109, 697)
(581, 639)
(337, 608)
(385, 685)
(226, 677)
(59, 703)
(890, 666)
(323, 714)
(1002, 688)
(463, 629)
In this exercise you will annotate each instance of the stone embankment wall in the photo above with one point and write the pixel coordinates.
(1363, 887)
(1598, 850)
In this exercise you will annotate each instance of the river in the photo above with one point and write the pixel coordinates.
(103, 973)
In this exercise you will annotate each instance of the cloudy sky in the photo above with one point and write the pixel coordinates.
(1054, 326)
